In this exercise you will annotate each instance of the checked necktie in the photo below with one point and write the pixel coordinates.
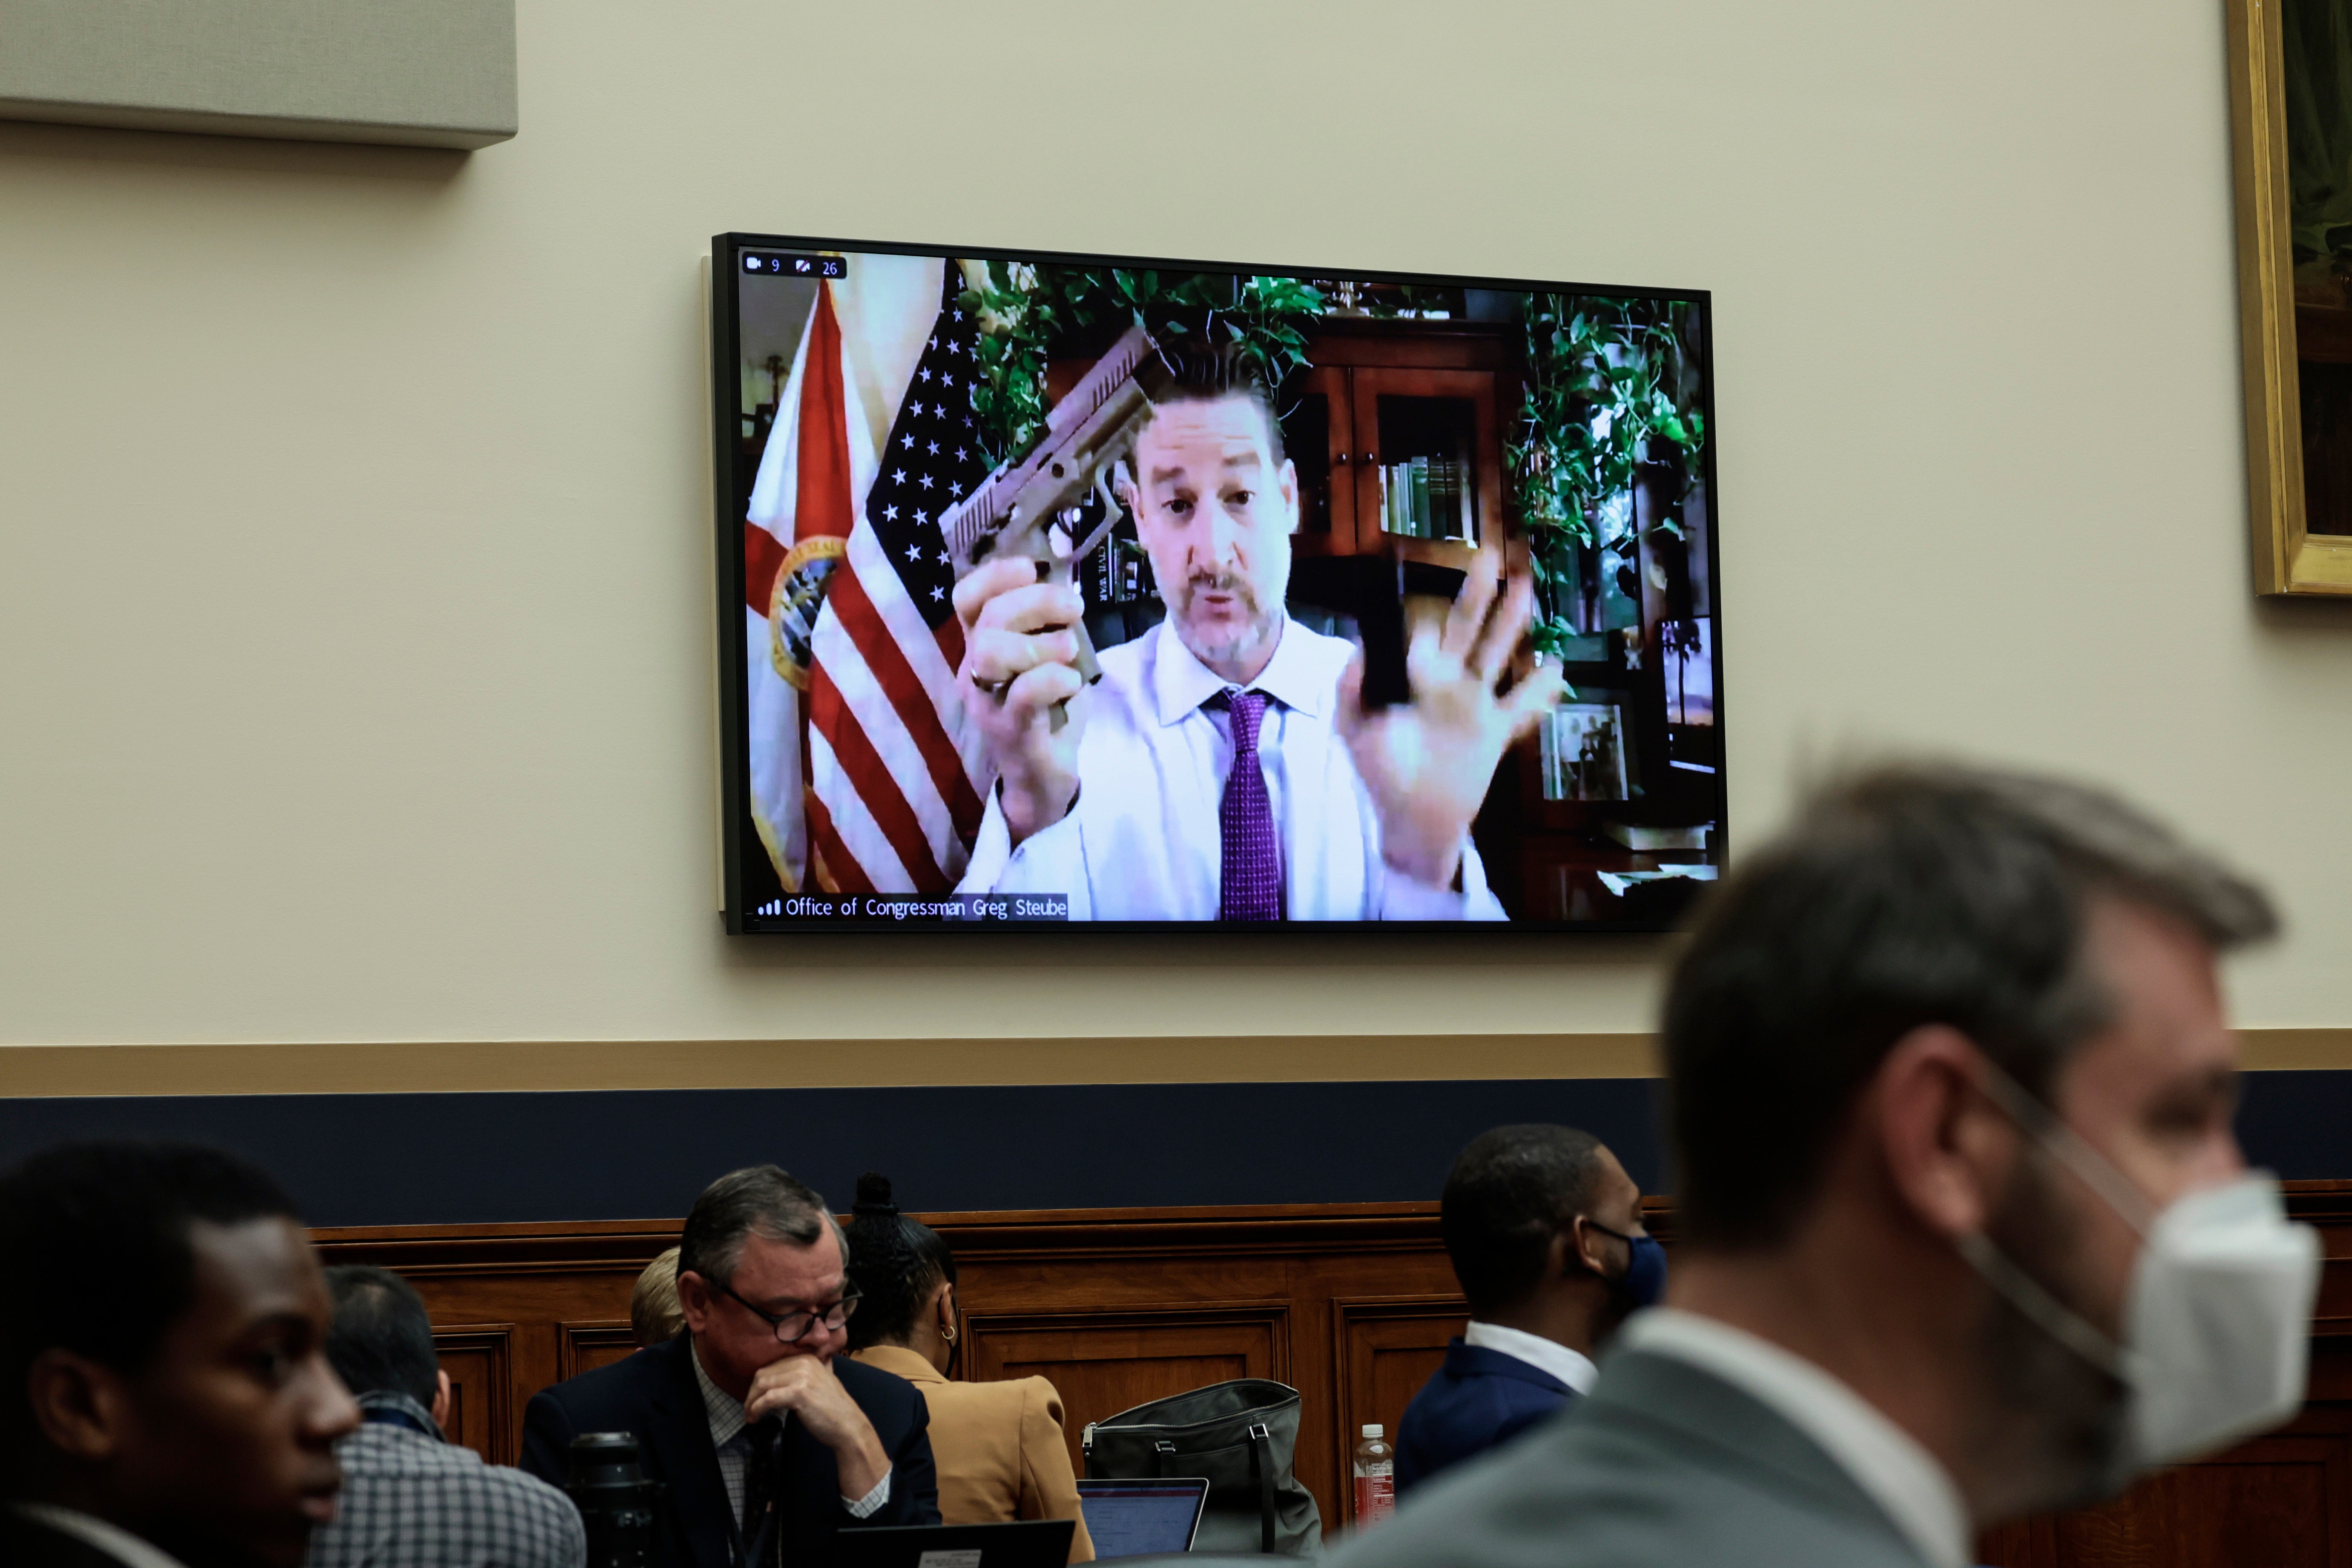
(1249, 875)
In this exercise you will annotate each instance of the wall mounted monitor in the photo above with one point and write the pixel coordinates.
(1065, 590)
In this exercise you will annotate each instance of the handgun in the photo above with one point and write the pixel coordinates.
(1035, 506)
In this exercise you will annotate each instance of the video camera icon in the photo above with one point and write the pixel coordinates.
(797, 265)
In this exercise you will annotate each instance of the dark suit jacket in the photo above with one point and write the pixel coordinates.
(653, 1393)
(28, 1543)
(1663, 1465)
(1477, 1399)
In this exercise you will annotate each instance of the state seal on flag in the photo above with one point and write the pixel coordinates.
(793, 608)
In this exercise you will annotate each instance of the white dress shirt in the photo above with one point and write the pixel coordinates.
(1550, 1357)
(117, 1542)
(1884, 1460)
(734, 1446)
(1143, 841)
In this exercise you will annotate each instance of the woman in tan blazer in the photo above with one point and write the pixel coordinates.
(998, 1446)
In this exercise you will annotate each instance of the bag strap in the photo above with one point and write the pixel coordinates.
(1162, 1452)
(1261, 1442)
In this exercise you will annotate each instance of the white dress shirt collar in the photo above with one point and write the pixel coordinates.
(1293, 677)
(1573, 1368)
(1890, 1467)
(117, 1542)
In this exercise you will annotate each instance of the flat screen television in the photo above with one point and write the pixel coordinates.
(1064, 589)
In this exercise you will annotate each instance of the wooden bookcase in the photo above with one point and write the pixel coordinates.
(1334, 423)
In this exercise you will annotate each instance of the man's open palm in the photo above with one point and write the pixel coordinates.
(1429, 763)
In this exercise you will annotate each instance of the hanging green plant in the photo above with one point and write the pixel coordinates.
(1026, 312)
(1607, 382)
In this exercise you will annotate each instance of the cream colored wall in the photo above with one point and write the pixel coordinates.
(355, 574)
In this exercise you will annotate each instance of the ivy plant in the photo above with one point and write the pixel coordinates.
(1026, 312)
(1612, 387)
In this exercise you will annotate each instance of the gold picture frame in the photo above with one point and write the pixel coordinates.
(2288, 558)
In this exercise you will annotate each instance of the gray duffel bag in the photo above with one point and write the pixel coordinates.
(1242, 1436)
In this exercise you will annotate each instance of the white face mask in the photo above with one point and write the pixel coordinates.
(2217, 1326)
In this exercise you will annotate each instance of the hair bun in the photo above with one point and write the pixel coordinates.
(874, 1196)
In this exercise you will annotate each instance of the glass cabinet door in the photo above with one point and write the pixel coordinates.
(1317, 433)
(1427, 461)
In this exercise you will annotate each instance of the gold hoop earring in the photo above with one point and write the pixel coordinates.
(948, 1333)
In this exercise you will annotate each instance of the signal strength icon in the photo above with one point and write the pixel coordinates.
(772, 907)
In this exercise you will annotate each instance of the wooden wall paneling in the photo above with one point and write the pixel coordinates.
(2275, 1502)
(1146, 1261)
(479, 1360)
(2026, 1544)
(1342, 1302)
(531, 1280)
(1327, 1439)
(1385, 1347)
(2278, 1502)
(1104, 1362)
(584, 1347)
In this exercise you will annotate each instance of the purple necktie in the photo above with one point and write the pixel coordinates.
(1249, 878)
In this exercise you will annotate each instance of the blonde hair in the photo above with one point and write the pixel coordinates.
(654, 1312)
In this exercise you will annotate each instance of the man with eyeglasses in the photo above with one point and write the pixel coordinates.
(768, 1440)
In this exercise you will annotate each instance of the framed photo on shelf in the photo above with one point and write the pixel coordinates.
(2290, 123)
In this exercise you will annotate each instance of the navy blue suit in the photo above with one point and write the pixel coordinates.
(1477, 1399)
(653, 1393)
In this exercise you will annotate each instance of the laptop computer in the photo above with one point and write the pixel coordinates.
(1136, 1519)
(1023, 1543)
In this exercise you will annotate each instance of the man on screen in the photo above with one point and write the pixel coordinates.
(1225, 767)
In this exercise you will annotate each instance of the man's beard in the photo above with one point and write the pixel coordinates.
(2057, 1422)
(1225, 645)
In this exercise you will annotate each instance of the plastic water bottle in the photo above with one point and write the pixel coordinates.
(1375, 1467)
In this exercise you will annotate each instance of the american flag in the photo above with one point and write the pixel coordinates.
(896, 783)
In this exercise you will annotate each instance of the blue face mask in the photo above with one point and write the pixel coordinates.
(1644, 1280)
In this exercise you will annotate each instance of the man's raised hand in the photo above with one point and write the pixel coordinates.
(806, 1386)
(1019, 658)
(1429, 763)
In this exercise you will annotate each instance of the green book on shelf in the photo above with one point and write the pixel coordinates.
(1445, 498)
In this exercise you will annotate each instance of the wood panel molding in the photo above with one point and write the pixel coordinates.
(563, 1246)
(584, 1347)
(442, 1066)
(483, 1412)
(423, 1067)
(1015, 1235)
(1383, 1349)
(1103, 1360)
(1259, 1331)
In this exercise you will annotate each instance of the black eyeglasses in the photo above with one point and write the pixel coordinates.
(792, 1328)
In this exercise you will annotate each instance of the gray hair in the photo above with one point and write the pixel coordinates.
(763, 1200)
(1901, 896)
